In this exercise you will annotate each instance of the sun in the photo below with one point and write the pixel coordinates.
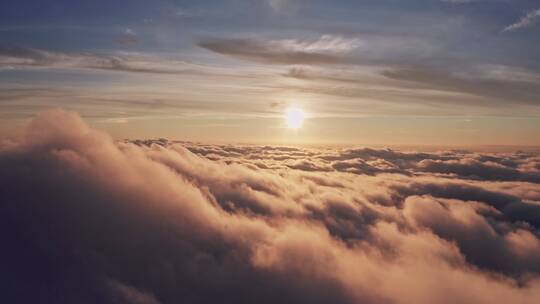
(295, 118)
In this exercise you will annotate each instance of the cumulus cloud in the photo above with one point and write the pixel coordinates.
(86, 219)
(530, 19)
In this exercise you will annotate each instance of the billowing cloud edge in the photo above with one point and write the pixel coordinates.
(88, 219)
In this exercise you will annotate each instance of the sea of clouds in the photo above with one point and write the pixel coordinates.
(86, 219)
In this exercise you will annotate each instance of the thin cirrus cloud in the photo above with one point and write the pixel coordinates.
(530, 19)
(485, 89)
(327, 49)
(237, 59)
(158, 221)
(483, 86)
(460, 1)
(29, 57)
(525, 90)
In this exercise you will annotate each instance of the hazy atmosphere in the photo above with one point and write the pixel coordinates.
(270, 151)
(364, 72)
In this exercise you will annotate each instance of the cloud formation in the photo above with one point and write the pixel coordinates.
(126, 62)
(327, 49)
(530, 19)
(459, 1)
(86, 219)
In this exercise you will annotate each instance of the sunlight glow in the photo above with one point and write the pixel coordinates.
(295, 118)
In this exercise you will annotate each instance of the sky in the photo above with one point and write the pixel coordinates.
(270, 151)
(389, 72)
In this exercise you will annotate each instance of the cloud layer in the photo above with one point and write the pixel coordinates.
(86, 219)
(126, 62)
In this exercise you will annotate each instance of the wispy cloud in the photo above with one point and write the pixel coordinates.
(530, 19)
(324, 44)
(327, 49)
(127, 62)
(460, 1)
(482, 85)
(286, 6)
